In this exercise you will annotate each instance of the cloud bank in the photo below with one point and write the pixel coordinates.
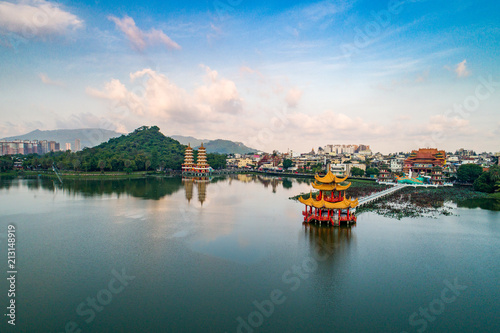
(36, 18)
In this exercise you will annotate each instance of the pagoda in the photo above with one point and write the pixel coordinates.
(202, 165)
(201, 168)
(330, 205)
(188, 160)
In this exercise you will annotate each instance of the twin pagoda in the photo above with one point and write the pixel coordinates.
(330, 205)
(201, 168)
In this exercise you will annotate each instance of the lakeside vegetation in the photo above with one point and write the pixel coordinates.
(424, 202)
(145, 149)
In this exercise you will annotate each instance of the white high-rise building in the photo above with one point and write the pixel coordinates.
(77, 145)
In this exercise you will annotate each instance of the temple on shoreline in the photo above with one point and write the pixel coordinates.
(424, 160)
(201, 167)
(330, 205)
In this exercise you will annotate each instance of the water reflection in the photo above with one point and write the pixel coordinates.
(486, 203)
(270, 181)
(201, 184)
(148, 188)
(326, 241)
(153, 188)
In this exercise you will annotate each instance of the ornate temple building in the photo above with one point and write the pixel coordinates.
(330, 205)
(424, 160)
(201, 167)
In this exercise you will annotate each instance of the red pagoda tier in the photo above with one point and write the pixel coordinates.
(330, 205)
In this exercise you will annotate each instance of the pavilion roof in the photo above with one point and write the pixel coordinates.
(330, 178)
(331, 187)
(346, 203)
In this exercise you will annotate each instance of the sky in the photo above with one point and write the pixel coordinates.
(276, 75)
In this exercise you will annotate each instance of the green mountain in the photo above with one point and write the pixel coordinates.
(227, 147)
(144, 148)
(89, 137)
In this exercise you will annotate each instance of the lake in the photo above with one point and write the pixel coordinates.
(232, 255)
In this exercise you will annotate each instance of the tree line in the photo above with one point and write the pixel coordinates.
(145, 149)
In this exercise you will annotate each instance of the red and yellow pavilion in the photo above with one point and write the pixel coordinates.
(330, 205)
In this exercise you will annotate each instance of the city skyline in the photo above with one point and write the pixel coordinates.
(394, 75)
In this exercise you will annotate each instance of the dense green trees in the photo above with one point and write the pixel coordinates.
(287, 163)
(216, 161)
(487, 182)
(6, 163)
(357, 172)
(372, 171)
(468, 173)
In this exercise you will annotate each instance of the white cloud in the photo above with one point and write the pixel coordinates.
(219, 94)
(320, 10)
(86, 120)
(36, 18)
(496, 132)
(8, 128)
(45, 79)
(441, 123)
(422, 77)
(339, 124)
(461, 69)
(140, 39)
(152, 96)
(215, 32)
(293, 97)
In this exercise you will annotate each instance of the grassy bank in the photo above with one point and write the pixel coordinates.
(494, 195)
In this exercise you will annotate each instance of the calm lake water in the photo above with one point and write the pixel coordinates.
(232, 255)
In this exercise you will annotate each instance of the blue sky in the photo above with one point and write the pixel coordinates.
(397, 75)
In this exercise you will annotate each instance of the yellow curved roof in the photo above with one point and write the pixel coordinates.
(346, 203)
(330, 187)
(330, 178)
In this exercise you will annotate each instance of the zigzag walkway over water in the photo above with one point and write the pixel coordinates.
(377, 195)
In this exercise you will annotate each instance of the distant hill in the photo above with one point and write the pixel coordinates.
(215, 146)
(89, 137)
(185, 140)
(227, 147)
